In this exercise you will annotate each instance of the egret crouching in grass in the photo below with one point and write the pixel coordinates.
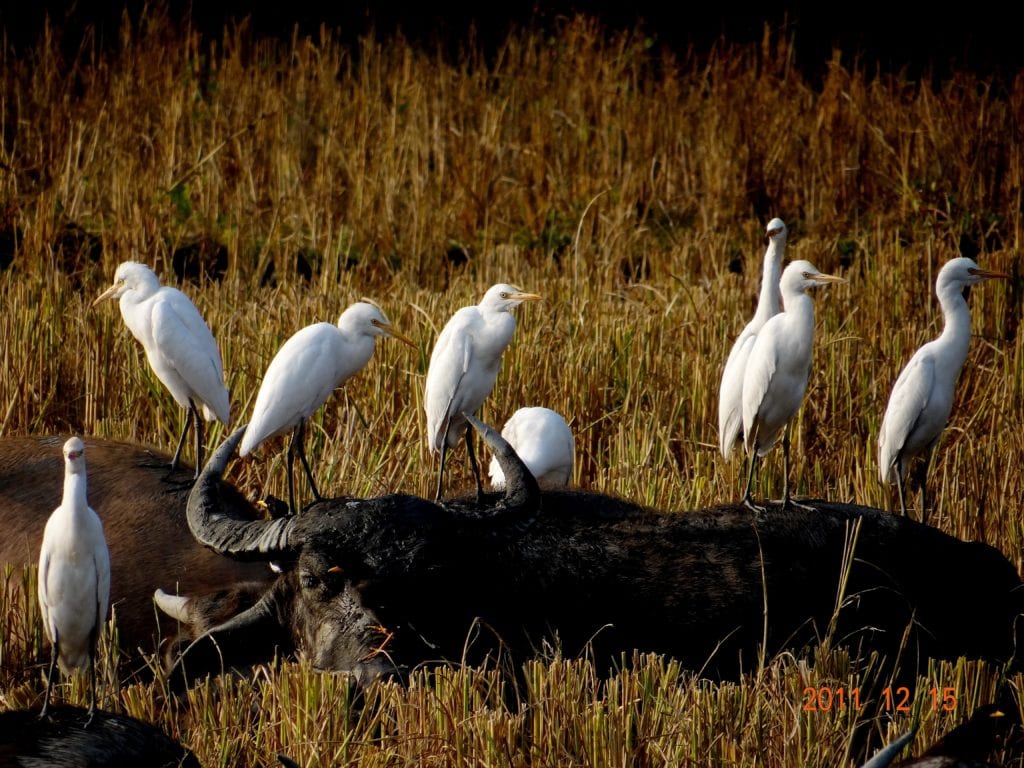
(543, 440)
(308, 367)
(922, 397)
(777, 371)
(463, 368)
(179, 346)
(74, 577)
(769, 304)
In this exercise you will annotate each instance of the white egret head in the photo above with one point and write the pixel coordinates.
(367, 318)
(504, 298)
(130, 276)
(74, 456)
(963, 271)
(776, 230)
(800, 276)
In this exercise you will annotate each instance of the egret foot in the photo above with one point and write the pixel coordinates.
(748, 502)
(792, 503)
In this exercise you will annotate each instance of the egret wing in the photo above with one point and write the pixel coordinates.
(730, 393)
(907, 403)
(299, 379)
(757, 378)
(102, 561)
(449, 362)
(185, 341)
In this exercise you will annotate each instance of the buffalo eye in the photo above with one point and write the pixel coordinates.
(308, 580)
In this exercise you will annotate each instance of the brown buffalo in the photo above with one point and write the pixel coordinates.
(143, 519)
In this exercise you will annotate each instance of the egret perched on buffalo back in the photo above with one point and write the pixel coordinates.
(769, 303)
(306, 369)
(74, 577)
(777, 371)
(464, 366)
(544, 442)
(179, 346)
(922, 397)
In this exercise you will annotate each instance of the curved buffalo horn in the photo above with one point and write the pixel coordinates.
(521, 489)
(245, 638)
(884, 757)
(175, 606)
(241, 539)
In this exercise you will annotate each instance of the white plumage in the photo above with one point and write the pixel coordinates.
(179, 346)
(543, 440)
(74, 575)
(464, 366)
(769, 304)
(922, 397)
(778, 368)
(307, 368)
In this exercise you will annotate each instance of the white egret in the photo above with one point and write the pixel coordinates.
(464, 366)
(543, 441)
(769, 304)
(179, 346)
(922, 397)
(777, 371)
(306, 369)
(74, 577)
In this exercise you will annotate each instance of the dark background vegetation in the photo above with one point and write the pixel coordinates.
(913, 38)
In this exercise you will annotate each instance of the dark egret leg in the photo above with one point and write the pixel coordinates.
(92, 679)
(440, 475)
(900, 487)
(49, 676)
(181, 443)
(473, 464)
(296, 437)
(786, 500)
(305, 462)
(197, 417)
(922, 479)
(748, 500)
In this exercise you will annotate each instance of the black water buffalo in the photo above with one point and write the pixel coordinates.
(143, 519)
(61, 740)
(374, 586)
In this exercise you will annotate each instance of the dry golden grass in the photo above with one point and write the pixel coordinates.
(617, 181)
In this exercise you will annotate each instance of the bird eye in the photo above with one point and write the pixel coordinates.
(807, 275)
(504, 295)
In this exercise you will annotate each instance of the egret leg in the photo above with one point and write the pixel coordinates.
(786, 500)
(296, 436)
(440, 475)
(899, 486)
(305, 463)
(181, 443)
(49, 676)
(92, 680)
(473, 464)
(197, 417)
(922, 479)
(748, 499)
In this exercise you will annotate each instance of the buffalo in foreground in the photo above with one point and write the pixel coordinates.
(378, 586)
(143, 519)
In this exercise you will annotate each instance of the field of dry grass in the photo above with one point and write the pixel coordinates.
(278, 182)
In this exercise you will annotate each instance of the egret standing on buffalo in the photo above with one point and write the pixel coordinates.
(74, 577)
(777, 371)
(543, 440)
(308, 367)
(769, 303)
(463, 368)
(922, 397)
(179, 346)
